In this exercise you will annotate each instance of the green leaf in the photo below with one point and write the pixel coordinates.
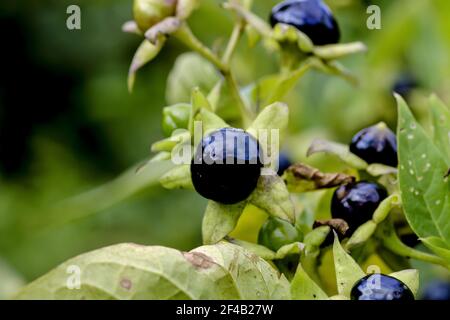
(210, 121)
(336, 51)
(410, 278)
(255, 279)
(130, 271)
(287, 82)
(304, 288)
(201, 111)
(199, 100)
(340, 150)
(144, 54)
(348, 271)
(167, 145)
(178, 178)
(385, 207)
(310, 256)
(272, 196)
(219, 220)
(161, 156)
(215, 94)
(257, 93)
(261, 251)
(438, 246)
(289, 249)
(190, 70)
(440, 116)
(424, 184)
(275, 116)
(361, 235)
(316, 237)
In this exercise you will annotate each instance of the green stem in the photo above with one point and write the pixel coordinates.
(391, 241)
(233, 42)
(185, 35)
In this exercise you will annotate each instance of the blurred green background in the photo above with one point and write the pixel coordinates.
(68, 123)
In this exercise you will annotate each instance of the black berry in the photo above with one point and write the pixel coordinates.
(312, 17)
(276, 233)
(376, 144)
(356, 202)
(283, 163)
(226, 166)
(381, 287)
(437, 290)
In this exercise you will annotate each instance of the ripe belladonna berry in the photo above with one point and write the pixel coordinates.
(356, 202)
(226, 166)
(376, 144)
(276, 233)
(312, 17)
(381, 287)
(437, 290)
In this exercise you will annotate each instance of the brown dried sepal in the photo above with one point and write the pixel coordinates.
(302, 178)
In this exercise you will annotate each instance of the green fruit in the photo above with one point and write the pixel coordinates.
(175, 117)
(276, 233)
(147, 13)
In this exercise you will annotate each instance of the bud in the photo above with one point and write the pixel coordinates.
(175, 117)
(147, 13)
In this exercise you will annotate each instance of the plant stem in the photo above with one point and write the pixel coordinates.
(391, 241)
(233, 42)
(185, 35)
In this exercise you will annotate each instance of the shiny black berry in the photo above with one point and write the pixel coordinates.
(376, 144)
(437, 290)
(356, 202)
(312, 17)
(381, 287)
(226, 166)
(283, 163)
(276, 233)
